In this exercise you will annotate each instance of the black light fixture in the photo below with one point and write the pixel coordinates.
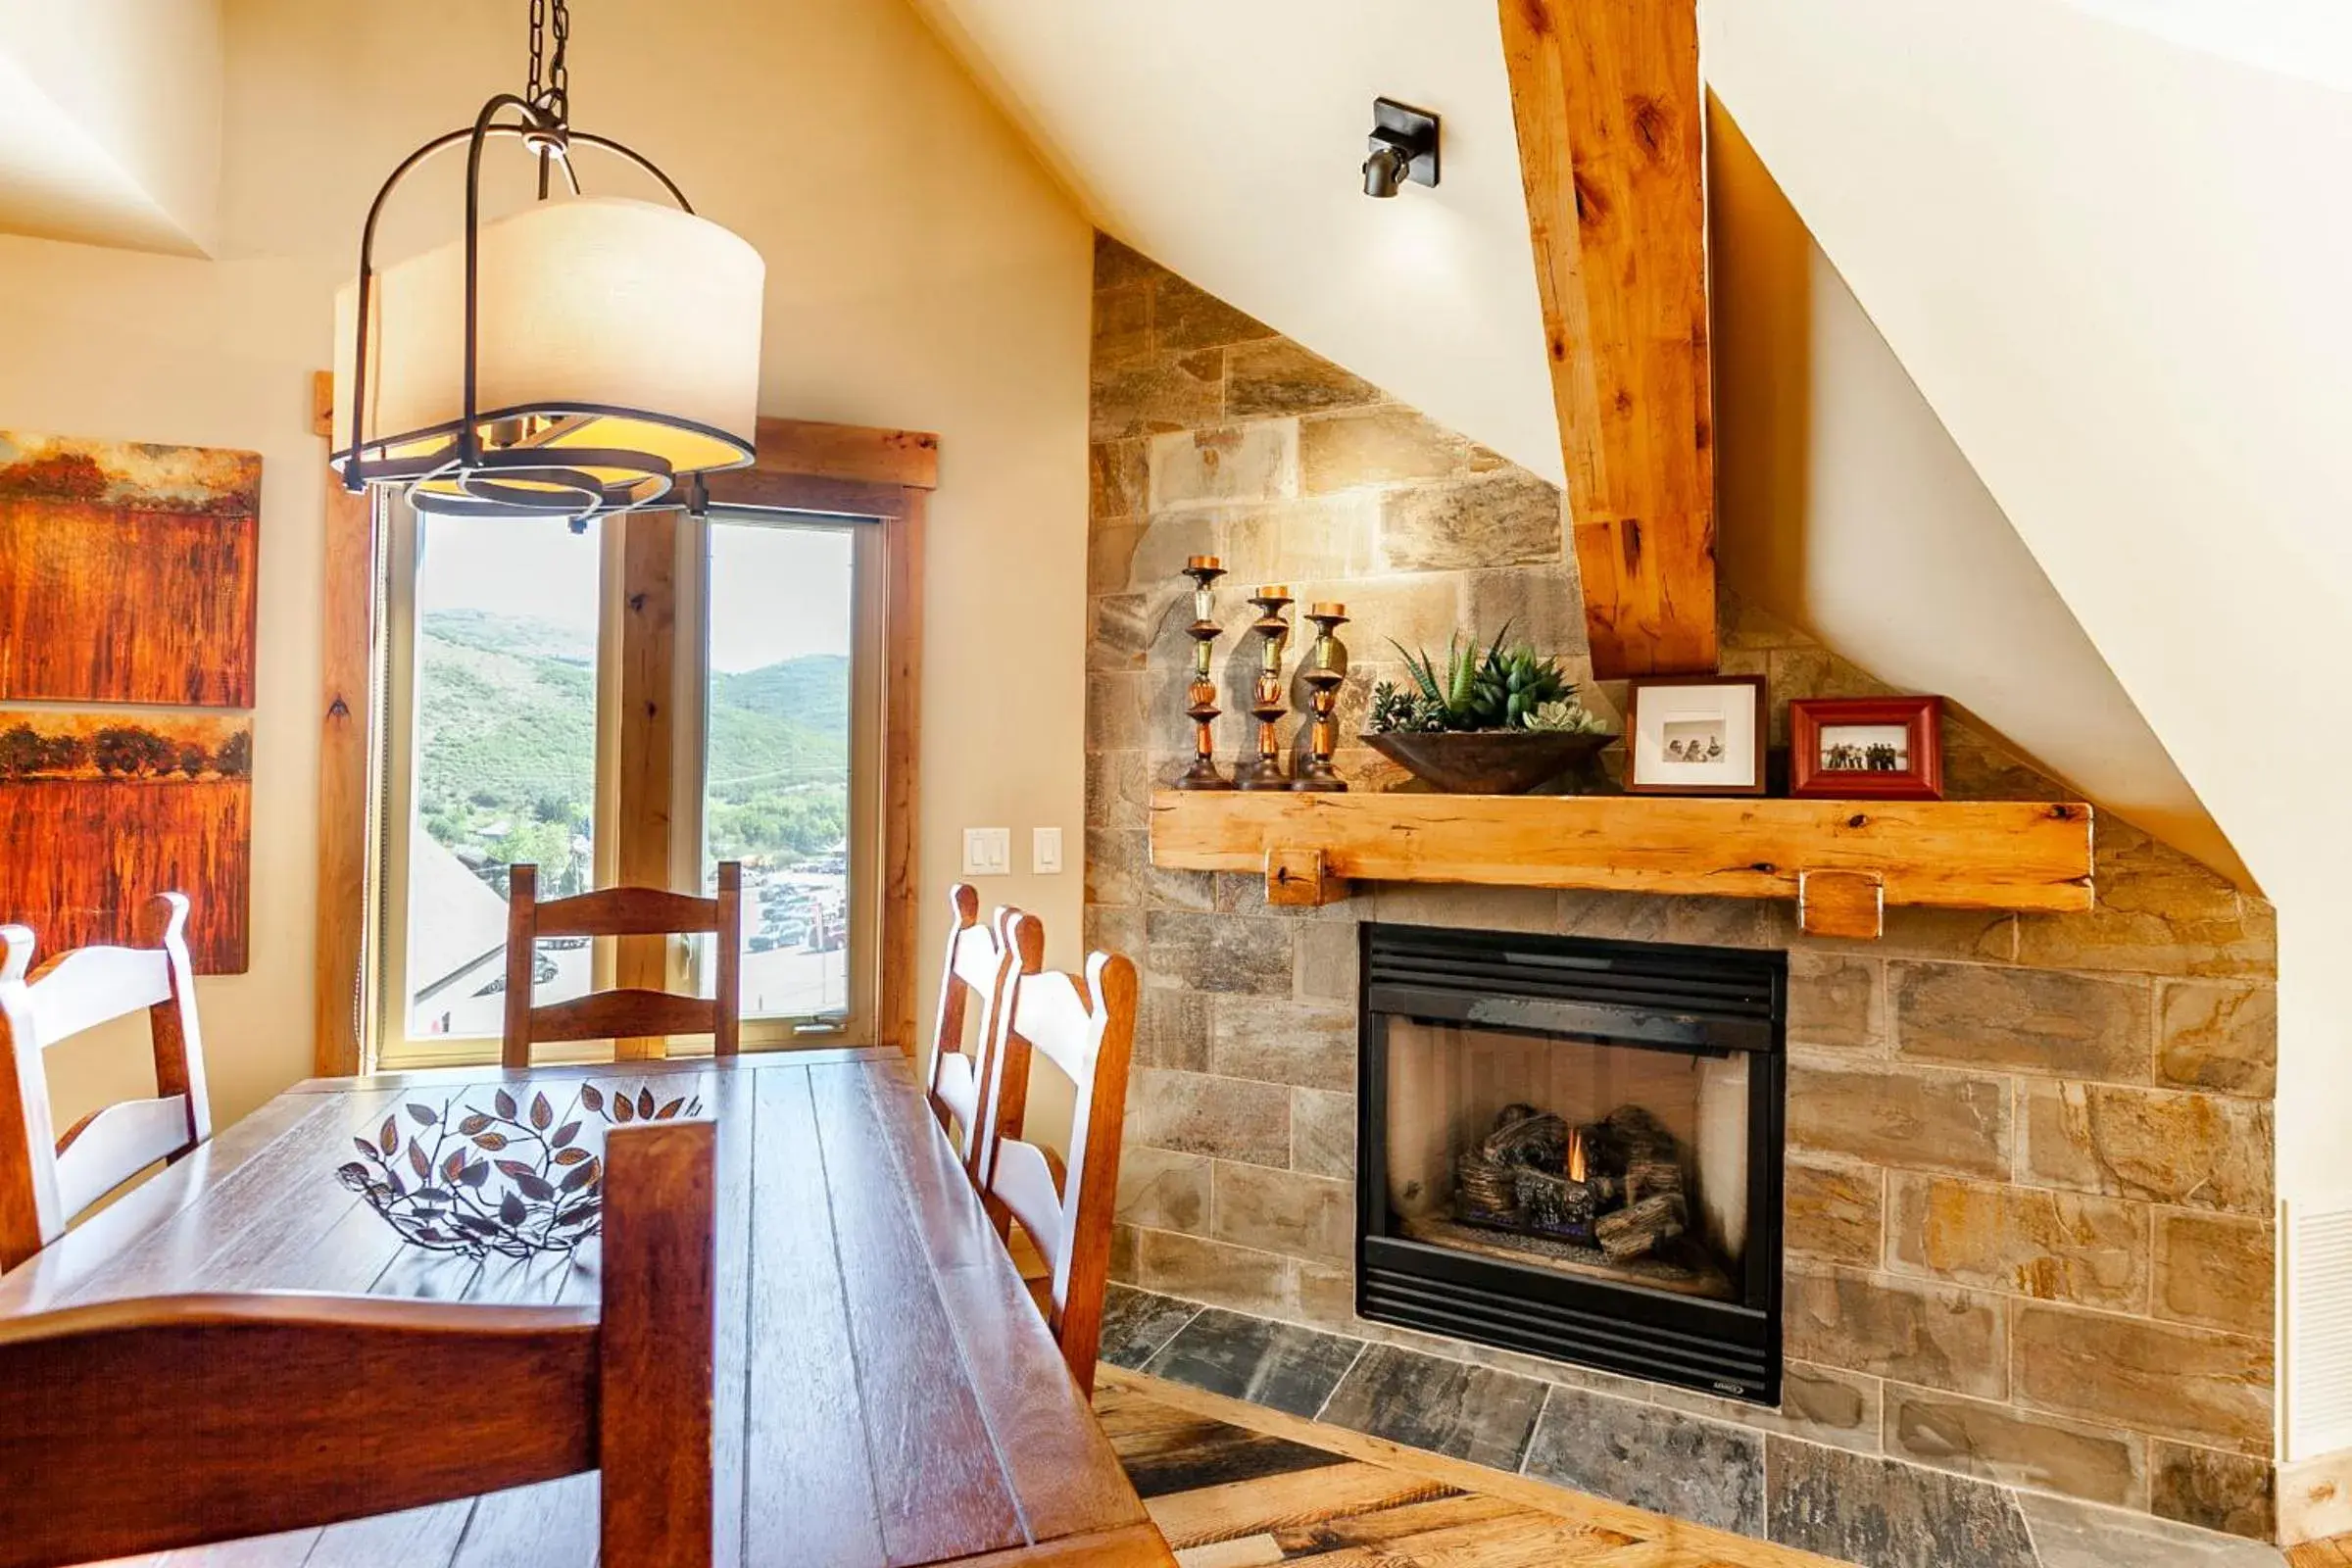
(1404, 147)
(577, 359)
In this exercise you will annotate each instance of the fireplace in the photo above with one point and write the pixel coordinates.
(1572, 1149)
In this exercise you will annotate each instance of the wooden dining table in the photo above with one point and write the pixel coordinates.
(887, 1393)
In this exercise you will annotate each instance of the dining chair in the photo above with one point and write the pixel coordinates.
(980, 960)
(1085, 1028)
(46, 1180)
(624, 1011)
(141, 1426)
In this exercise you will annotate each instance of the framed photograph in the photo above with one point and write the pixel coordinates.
(1695, 735)
(1866, 748)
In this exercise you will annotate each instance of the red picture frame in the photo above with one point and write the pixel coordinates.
(1911, 769)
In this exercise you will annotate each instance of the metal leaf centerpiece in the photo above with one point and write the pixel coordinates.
(512, 1179)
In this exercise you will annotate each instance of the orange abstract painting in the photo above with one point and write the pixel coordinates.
(126, 572)
(102, 811)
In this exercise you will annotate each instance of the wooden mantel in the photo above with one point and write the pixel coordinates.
(1844, 860)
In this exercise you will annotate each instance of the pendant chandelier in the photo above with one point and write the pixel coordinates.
(584, 357)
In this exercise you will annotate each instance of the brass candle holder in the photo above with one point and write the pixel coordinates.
(1201, 699)
(1268, 701)
(1324, 677)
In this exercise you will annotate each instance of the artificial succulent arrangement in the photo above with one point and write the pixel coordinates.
(1503, 689)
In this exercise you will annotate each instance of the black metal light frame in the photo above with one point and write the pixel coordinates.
(488, 478)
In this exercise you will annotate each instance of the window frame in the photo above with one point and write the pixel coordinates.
(801, 466)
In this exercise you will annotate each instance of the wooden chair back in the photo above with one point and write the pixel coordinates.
(624, 1011)
(46, 1179)
(143, 1426)
(1087, 1029)
(980, 960)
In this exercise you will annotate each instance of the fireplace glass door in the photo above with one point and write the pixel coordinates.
(1611, 1161)
(1572, 1149)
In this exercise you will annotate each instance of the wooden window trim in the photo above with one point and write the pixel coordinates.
(800, 465)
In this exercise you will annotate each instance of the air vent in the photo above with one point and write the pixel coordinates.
(2319, 1316)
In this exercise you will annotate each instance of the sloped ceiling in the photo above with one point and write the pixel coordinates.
(110, 121)
(1223, 141)
(1223, 138)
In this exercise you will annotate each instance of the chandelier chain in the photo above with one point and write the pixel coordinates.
(549, 85)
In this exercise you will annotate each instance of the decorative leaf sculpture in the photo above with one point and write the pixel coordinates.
(549, 1197)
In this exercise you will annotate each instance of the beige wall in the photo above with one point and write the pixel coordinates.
(923, 272)
(1845, 508)
(110, 121)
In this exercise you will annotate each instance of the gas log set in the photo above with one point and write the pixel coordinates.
(1615, 1185)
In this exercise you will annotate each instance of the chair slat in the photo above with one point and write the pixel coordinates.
(91, 985)
(628, 911)
(621, 1011)
(113, 1144)
(266, 1411)
(1021, 1177)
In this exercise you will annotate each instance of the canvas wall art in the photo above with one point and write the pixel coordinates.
(114, 808)
(126, 572)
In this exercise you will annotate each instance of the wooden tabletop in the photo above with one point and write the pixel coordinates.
(887, 1393)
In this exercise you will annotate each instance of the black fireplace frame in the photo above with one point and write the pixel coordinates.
(1651, 995)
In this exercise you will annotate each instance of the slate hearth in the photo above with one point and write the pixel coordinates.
(1859, 1508)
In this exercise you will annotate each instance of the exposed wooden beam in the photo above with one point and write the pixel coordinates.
(1608, 100)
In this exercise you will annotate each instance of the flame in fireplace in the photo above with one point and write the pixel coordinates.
(1575, 1156)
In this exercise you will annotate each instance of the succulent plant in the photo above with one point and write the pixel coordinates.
(1510, 685)
(1566, 717)
(1396, 712)
(1501, 689)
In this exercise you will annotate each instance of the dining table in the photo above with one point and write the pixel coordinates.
(887, 1393)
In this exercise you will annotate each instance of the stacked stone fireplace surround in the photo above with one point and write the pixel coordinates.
(2028, 1177)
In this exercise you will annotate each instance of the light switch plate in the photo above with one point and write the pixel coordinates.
(988, 852)
(1045, 850)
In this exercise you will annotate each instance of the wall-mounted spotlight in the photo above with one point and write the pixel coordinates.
(1404, 146)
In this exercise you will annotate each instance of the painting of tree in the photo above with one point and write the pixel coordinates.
(122, 807)
(126, 572)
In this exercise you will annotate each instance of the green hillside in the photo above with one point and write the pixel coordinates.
(507, 755)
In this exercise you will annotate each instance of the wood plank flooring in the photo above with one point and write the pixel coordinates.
(1230, 1496)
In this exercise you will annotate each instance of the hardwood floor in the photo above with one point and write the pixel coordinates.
(1232, 1496)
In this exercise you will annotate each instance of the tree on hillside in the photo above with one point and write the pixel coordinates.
(124, 751)
(21, 752)
(234, 759)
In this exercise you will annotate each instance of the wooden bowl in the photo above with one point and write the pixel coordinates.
(1503, 761)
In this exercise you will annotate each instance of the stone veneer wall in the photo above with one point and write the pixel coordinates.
(2029, 1183)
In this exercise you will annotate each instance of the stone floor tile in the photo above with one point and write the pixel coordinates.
(1137, 1323)
(1465, 1412)
(1279, 1365)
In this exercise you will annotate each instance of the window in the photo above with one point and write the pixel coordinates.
(786, 720)
(509, 740)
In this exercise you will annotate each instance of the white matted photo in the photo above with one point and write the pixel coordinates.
(1696, 735)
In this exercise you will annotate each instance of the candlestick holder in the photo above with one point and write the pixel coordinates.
(1323, 677)
(1201, 699)
(1268, 701)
